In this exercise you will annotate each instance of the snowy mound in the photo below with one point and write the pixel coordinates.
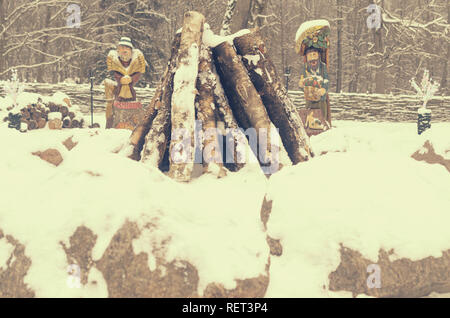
(79, 219)
(26, 98)
(334, 214)
(119, 214)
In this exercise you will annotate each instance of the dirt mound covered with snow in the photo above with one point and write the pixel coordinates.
(397, 278)
(100, 224)
(364, 218)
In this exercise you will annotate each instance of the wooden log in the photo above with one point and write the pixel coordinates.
(64, 111)
(156, 141)
(41, 123)
(55, 123)
(157, 110)
(182, 145)
(248, 107)
(25, 113)
(206, 114)
(36, 115)
(280, 108)
(76, 123)
(53, 107)
(32, 124)
(67, 122)
(236, 147)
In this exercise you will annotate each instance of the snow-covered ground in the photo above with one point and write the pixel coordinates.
(213, 224)
(365, 192)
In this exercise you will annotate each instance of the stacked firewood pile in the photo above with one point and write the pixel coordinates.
(39, 115)
(223, 84)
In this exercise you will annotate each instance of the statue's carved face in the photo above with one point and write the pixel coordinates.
(312, 58)
(124, 52)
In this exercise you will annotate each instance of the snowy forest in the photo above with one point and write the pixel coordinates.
(58, 40)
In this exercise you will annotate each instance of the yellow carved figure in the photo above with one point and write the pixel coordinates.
(137, 65)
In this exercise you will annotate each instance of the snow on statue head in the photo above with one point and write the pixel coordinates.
(125, 49)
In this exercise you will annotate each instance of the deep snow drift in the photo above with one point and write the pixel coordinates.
(365, 192)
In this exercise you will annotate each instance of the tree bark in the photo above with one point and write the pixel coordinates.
(255, 17)
(240, 16)
(2, 37)
(248, 107)
(157, 118)
(66, 122)
(280, 108)
(358, 25)
(206, 113)
(380, 77)
(157, 124)
(44, 45)
(182, 145)
(229, 12)
(236, 144)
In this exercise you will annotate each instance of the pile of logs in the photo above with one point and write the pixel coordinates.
(228, 85)
(37, 116)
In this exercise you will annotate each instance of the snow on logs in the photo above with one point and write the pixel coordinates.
(182, 145)
(38, 115)
(219, 107)
(274, 95)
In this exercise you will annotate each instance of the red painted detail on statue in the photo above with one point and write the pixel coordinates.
(127, 105)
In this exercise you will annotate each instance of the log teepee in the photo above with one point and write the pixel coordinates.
(218, 105)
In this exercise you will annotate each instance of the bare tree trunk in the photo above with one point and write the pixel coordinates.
(339, 47)
(227, 19)
(445, 70)
(43, 69)
(380, 77)
(240, 16)
(2, 37)
(182, 145)
(358, 25)
(282, 36)
(280, 108)
(256, 14)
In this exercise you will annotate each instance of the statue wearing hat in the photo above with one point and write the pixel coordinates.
(126, 64)
(312, 44)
